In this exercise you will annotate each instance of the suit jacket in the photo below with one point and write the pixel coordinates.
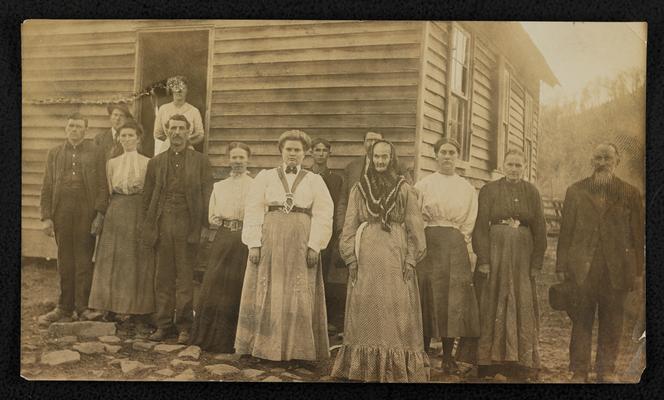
(617, 231)
(352, 174)
(106, 143)
(109, 145)
(94, 180)
(198, 182)
(334, 183)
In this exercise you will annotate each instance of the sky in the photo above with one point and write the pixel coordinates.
(579, 52)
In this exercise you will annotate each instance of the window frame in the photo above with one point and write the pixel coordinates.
(466, 99)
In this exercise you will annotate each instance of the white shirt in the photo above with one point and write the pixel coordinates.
(267, 189)
(126, 173)
(448, 200)
(166, 111)
(228, 198)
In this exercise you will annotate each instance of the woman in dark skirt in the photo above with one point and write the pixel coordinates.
(510, 240)
(123, 277)
(216, 314)
(449, 208)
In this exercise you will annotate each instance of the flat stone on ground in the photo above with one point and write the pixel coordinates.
(222, 369)
(83, 329)
(165, 372)
(187, 375)
(60, 357)
(251, 373)
(110, 339)
(304, 371)
(89, 347)
(29, 347)
(290, 376)
(167, 348)
(278, 370)
(143, 346)
(179, 363)
(63, 340)
(111, 348)
(272, 379)
(227, 357)
(29, 359)
(500, 378)
(191, 352)
(131, 367)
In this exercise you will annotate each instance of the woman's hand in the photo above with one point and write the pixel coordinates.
(255, 255)
(534, 272)
(48, 228)
(352, 273)
(312, 258)
(97, 224)
(408, 272)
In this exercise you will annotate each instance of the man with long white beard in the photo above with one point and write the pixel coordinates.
(600, 250)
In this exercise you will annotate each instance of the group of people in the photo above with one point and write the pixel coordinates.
(274, 237)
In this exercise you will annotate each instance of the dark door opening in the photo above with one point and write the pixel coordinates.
(166, 54)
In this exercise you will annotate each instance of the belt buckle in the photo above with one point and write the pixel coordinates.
(235, 225)
(514, 223)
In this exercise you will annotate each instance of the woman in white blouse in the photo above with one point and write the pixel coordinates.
(216, 314)
(178, 87)
(123, 278)
(287, 222)
(447, 294)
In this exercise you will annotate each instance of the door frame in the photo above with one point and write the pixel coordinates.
(138, 71)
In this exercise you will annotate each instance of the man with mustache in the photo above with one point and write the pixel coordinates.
(177, 189)
(600, 250)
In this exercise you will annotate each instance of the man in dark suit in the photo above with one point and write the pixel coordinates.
(176, 194)
(354, 171)
(73, 200)
(600, 249)
(321, 150)
(108, 140)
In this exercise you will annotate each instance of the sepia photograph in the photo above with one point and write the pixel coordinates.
(339, 201)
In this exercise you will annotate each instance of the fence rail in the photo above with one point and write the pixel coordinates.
(553, 211)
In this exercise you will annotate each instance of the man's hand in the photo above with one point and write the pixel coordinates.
(48, 228)
(408, 272)
(483, 270)
(535, 272)
(255, 255)
(352, 273)
(561, 276)
(312, 258)
(97, 224)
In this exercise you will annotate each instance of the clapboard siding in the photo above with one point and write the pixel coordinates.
(80, 60)
(336, 80)
(435, 92)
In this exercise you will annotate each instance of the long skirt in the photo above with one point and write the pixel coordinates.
(123, 280)
(383, 325)
(509, 309)
(215, 320)
(282, 307)
(447, 294)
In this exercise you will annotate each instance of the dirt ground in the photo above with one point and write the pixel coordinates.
(39, 289)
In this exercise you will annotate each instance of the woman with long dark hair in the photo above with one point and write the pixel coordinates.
(382, 242)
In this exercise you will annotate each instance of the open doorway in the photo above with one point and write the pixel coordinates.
(168, 53)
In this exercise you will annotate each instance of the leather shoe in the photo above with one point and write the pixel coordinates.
(579, 377)
(55, 315)
(160, 335)
(183, 337)
(89, 315)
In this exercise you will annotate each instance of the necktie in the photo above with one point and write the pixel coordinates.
(291, 170)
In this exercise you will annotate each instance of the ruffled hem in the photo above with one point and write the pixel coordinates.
(379, 364)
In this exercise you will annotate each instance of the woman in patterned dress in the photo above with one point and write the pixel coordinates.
(382, 241)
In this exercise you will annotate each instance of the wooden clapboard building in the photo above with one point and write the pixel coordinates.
(413, 81)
